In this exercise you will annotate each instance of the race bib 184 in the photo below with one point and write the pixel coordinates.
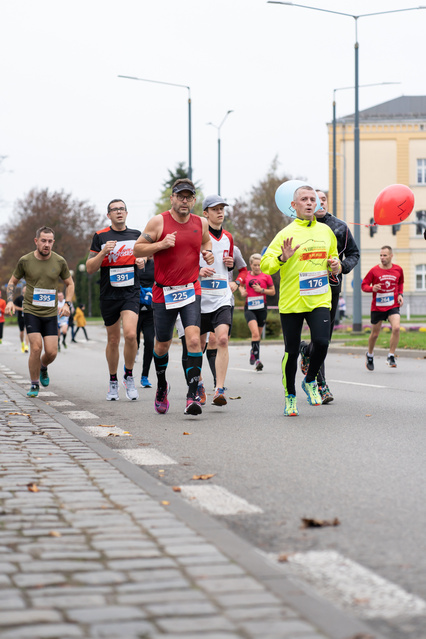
(385, 299)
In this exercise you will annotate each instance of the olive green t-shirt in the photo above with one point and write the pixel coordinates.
(42, 278)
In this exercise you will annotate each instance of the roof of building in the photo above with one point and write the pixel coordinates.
(406, 107)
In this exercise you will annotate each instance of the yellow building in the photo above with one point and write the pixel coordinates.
(392, 150)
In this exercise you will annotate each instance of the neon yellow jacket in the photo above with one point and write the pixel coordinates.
(304, 277)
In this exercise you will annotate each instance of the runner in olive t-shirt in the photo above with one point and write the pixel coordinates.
(42, 270)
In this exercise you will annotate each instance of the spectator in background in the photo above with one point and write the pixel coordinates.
(80, 320)
(19, 312)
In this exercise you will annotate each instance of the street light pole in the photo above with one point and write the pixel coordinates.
(183, 86)
(218, 146)
(357, 303)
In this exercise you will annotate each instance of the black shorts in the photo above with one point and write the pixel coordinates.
(44, 325)
(111, 309)
(21, 321)
(210, 321)
(381, 316)
(258, 315)
(165, 319)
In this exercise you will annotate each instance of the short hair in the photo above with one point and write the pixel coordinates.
(387, 247)
(187, 181)
(304, 186)
(116, 200)
(255, 256)
(44, 229)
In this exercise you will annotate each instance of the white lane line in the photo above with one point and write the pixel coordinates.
(80, 414)
(103, 431)
(44, 393)
(146, 457)
(217, 500)
(353, 586)
(63, 402)
(340, 381)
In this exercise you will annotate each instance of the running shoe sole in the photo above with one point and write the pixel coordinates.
(259, 365)
(220, 400)
(193, 408)
(369, 363)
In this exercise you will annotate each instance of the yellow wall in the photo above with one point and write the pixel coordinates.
(388, 155)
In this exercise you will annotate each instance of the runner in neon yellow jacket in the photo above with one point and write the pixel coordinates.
(303, 252)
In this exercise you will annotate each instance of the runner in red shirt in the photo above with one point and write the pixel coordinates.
(386, 282)
(175, 239)
(256, 287)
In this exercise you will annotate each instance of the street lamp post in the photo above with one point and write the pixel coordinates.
(218, 146)
(82, 269)
(183, 86)
(375, 84)
(357, 303)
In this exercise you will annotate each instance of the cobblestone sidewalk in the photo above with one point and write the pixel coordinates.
(86, 552)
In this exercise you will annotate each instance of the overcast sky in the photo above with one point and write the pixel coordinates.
(68, 122)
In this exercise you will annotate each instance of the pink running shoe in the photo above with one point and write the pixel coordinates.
(161, 403)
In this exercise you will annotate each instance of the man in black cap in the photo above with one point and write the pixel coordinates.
(175, 239)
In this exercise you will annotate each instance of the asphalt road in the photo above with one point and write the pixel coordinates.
(360, 459)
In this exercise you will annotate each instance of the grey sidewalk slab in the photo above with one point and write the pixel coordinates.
(110, 559)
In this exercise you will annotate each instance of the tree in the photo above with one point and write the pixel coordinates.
(163, 203)
(73, 221)
(255, 222)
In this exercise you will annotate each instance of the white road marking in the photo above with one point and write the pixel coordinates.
(80, 414)
(63, 402)
(353, 586)
(217, 500)
(44, 393)
(340, 381)
(102, 431)
(146, 456)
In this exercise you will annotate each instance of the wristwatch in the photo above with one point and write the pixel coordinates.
(69, 304)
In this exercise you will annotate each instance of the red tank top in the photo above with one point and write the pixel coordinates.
(181, 263)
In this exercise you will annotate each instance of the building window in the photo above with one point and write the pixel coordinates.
(421, 216)
(421, 277)
(421, 171)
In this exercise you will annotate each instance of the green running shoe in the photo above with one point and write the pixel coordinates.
(33, 392)
(44, 378)
(290, 409)
(311, 390)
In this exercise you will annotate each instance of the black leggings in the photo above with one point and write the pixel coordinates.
(318, 321)
(335, 292)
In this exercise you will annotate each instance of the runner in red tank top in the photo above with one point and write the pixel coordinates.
(175, 239)
(386, 282)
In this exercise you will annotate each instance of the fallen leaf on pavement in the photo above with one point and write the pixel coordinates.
(177, 489)
(185, 433)
(203, 476)
(165, 503)
(55, 533)
(33, 488)
(308, 522)
(24, 414)
(107, 425)
(236, 397)
(368, 415)
(144, 444)
(284, 556)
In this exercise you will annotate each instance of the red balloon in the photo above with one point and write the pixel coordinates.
(394, 204)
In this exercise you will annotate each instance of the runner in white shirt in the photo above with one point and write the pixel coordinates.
(216, 294)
